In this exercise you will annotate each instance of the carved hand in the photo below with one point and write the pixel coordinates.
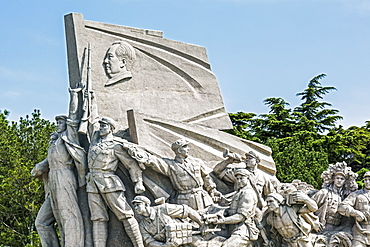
(215, 195)
(359, 216)
(299, 196)
(220, 219)
(139, 188)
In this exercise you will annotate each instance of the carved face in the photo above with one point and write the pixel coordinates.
(61, 125)
(272, 204)
(250, 162)
(113, 65)
(241, 180)
(367, 182)
(140, 208)
(104, 129)
(183, 150)
(339, 181)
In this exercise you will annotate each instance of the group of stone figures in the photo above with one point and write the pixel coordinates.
(260, 211)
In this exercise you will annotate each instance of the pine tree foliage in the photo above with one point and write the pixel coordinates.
(22, 145)
(305, 139)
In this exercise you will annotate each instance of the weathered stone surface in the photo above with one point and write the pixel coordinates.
(205, 143)
(169, 111)
(170, 79)
(150, 91)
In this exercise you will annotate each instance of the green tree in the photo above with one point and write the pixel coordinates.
(304, 139)
(312, 109)
(22, 145)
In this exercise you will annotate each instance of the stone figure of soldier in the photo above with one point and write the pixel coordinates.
(260, 182)
(118, 62)
(189, 176)
(154, 221)
(105, 189)
(241, 214)
(63, 171)
(329, 197)
(357, 205)
(288, 226)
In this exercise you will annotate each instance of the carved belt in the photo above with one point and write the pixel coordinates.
(67, 167)
(193, 190)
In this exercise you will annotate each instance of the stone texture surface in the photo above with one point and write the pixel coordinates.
(170, 79)
(169, 93)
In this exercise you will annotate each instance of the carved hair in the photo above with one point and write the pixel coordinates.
(340, 168)
(125, 52)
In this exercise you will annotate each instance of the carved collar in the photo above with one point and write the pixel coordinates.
(120, 77)
(180, 160)
(109, 138)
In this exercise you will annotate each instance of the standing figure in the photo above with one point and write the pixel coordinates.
(105, 189)
(156, 222)
(262, 184)
(288, 226)
(241, 214)
(189, 176)
(338, 178)
(357, 205)
(63, 171)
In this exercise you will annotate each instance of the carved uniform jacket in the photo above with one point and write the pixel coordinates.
(244, 202)
(328, 201)
(64, 156)
(188, 178)
(291, 226)
(152, 227)
(103, 160)
(358, 200)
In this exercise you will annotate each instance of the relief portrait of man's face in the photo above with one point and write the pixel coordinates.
(113, 64)
(118, 62)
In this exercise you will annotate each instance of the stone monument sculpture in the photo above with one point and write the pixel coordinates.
(64, 170)
(357, 205)
(288, 226)
(337, 187)
(189, 176)
(262, 183)
(105, 189)
(133, 94)
(155, 220)
(118, 62)
(242, 213)
(165, 76)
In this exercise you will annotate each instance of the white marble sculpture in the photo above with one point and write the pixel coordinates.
(136, 99)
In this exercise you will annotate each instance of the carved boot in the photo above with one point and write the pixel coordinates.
(100, 233)
(132, 230)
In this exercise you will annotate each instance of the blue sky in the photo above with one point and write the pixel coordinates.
(257, 48)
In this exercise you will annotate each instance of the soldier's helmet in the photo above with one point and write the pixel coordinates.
(63, 117)
(179, 143)
(253, 155)
(242, 172)
(141, 199)
(110, 121)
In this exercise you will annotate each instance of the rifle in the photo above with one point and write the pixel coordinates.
(87, 100)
